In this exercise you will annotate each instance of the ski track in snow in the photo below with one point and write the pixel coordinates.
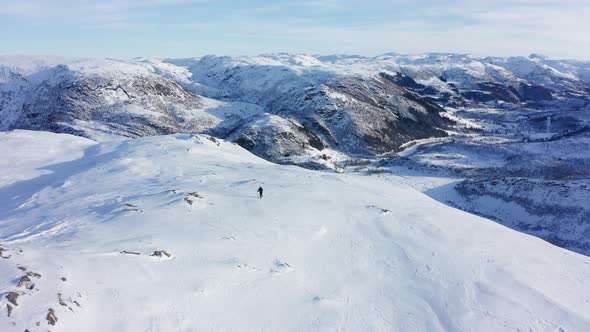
(320, 252)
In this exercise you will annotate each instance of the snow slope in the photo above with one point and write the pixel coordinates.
(321, 251)
(42, 148)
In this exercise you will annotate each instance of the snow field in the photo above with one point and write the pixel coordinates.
(321, 251)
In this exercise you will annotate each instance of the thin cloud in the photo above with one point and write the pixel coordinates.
(493, 27)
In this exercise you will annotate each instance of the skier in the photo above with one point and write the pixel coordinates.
(260, 192)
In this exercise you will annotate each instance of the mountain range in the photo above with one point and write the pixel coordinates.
(400, 193)
(502, 134)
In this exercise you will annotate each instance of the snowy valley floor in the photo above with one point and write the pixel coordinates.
(166, 234)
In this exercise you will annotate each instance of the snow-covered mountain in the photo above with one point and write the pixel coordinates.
(166, 233)
(503, 130)
(97, 97)
(349, 111)
(94, 98)
(525, 168)
(353, 105)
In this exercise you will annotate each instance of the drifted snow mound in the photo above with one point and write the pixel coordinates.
(166, 233)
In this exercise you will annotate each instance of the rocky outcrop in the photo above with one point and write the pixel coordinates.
(535, 92)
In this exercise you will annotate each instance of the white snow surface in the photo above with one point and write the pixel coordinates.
(320, 252)
(42, 149)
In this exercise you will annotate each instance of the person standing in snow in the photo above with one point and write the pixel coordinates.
(260, 190)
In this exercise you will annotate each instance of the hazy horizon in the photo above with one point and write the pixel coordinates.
(193, 28)
(131, 58)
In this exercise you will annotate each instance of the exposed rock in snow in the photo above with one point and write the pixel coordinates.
(160, 253)
(51, 317)
(25, 282)
(12, 297)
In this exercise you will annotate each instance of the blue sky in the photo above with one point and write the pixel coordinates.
(184, 28)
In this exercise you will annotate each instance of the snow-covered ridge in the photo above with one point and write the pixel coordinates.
(296, 87)
(173, 237)
(330, 112)
(101, 97)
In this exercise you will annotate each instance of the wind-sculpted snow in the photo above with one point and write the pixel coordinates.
(167, 233)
